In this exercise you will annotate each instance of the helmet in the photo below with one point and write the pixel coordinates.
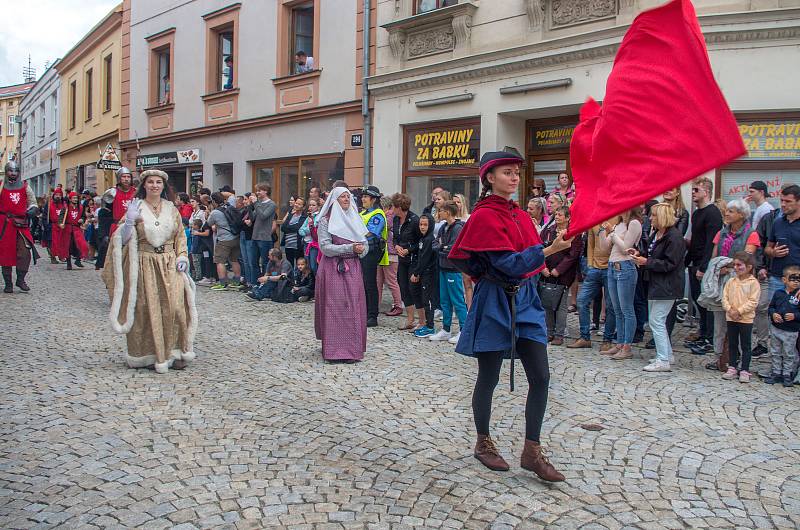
(12, 167)
(124, 171)
(108, 196)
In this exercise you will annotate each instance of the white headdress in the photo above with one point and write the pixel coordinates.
(345, 224)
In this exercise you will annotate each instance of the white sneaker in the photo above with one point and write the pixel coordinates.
(437, 315)
(205, 282)
(657, 366)
(454, 338)
(440, 335)
(671, 359)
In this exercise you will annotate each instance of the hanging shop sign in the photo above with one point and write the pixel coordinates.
(196, 175)
(109, 159)
(187, 156)
(551, 137)
(438, 147)
(771, 140)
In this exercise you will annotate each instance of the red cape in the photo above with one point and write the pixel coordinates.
(496, 225)
(664, 120)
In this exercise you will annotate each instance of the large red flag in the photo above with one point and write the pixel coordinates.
(664, 120)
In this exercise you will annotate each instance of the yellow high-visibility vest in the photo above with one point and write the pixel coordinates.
(366, 216)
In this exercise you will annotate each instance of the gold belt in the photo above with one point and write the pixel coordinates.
(148, 248)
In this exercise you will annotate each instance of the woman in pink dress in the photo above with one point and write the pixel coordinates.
(340, 316)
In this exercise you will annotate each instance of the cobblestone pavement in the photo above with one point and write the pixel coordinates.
(259, 432)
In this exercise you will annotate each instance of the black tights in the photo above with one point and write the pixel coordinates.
(534, 360)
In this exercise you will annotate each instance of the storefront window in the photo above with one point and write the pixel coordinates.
(735, 184)
(293, 178)
(321, 173)
(419, 189)
(547, 170)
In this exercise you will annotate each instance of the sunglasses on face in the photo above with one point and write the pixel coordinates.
(794, 278)
(695, 190)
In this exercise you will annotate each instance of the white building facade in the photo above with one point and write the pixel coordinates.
(216, 97)
(40, 133)
(469, 76)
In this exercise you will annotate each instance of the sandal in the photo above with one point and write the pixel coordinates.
(406, 327)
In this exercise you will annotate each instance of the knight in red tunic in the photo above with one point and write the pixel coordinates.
(120, 196)
(53, 210)
(71, 242)
(17, 202)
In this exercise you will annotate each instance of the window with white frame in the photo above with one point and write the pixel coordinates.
(53, 113)
(12, 122)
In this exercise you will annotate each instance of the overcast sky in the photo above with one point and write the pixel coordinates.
(45, 29)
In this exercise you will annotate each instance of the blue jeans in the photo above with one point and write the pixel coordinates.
(260, 257)
(451, 296)
(313, 252)
(593, 281)
(249, 251)
(264, 290)
(622, 290)
(658, 311)
(775, 284)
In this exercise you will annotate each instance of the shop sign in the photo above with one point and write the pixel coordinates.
(109, 159)
(771, 140)
(551, 137)
(196, 175)
(188, 156)
(443, 148)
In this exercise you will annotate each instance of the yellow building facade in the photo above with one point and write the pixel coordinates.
(10, 98)
(90, 104)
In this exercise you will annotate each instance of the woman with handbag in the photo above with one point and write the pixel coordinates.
(663, 267)
(557, 276)
(501, 251)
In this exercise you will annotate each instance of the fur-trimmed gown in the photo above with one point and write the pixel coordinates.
(151, 302)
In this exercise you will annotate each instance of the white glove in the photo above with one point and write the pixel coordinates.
(182, 264)
(134, 212)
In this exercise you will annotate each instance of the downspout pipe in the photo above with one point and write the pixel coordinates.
(367, 141)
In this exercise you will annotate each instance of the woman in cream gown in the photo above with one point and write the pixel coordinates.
(152, 296)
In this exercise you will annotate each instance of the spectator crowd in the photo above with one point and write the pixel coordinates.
(739, 261)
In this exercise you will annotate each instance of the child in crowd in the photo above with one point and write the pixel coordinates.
(423, 267)
(202, 247)
(451, 286)
(277, 269)
(195, 251)
(784, 317)
(739, 300)
(302, 278)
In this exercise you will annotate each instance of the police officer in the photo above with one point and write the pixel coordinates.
(378, 255)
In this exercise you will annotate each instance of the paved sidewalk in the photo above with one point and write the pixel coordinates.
(259, 432)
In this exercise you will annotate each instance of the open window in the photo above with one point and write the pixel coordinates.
(301, 29)
(222, 28)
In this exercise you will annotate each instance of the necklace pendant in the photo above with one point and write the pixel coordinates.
(156, 223)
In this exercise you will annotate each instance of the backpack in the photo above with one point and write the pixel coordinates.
(234, 217)
(283, 292)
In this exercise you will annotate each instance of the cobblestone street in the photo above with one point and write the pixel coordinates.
(259, 432)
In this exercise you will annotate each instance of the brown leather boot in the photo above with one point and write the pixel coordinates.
(533, 459)
(486, 452)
